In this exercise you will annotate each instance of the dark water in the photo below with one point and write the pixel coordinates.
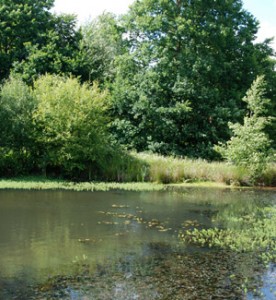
(126, 243)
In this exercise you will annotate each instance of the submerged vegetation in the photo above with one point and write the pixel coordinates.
(171, 275)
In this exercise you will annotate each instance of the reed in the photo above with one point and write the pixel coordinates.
(176, 170)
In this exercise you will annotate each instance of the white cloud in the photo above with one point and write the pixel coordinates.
(86, 9)
(267, 30)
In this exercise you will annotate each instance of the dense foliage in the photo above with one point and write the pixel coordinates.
(188, 65)
(17, 105)
(22, 21)
(168, 78)
(71, 127)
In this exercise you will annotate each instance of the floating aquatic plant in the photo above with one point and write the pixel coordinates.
(252, 233)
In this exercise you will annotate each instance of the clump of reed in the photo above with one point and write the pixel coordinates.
(124, 167)
(176, 170)
(268, 178)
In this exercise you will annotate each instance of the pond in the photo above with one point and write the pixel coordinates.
(137, 245)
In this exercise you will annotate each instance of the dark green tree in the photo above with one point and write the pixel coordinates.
(188, 65)
(58, 53)
(21, 21)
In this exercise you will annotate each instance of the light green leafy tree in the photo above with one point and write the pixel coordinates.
(250, 146)
(71, 125)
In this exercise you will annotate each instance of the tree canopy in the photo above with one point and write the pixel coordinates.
(22, 22)
(196, 54)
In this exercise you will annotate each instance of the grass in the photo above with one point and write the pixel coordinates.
(40, 183)
(29, 183)
(175, 170)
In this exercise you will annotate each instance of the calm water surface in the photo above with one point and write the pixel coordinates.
(45, 234)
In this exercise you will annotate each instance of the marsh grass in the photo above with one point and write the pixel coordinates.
(125, 167)
(176, 170)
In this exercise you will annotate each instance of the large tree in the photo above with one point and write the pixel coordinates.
(59, 53)
(34, 41)
(21, 21)
(188, 65)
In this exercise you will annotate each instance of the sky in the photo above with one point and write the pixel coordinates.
(263, 10)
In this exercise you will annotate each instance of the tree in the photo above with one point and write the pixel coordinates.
(250, 145)
(100, 45)
(58, 54)
(71, 125)
(195, 55)
(22, 21)
(16, 127)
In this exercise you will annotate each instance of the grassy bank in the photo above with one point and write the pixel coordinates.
(153, 172)
(29, 183)
(42, 183)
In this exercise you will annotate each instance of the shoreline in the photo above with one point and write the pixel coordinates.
(52, 184)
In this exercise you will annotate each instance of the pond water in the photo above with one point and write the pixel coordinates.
(126, 245)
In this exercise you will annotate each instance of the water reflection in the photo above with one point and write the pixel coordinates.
(58, 233)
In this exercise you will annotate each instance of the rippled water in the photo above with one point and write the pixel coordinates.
(125, 243)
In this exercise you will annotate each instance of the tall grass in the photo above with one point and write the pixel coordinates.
(176, 170)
